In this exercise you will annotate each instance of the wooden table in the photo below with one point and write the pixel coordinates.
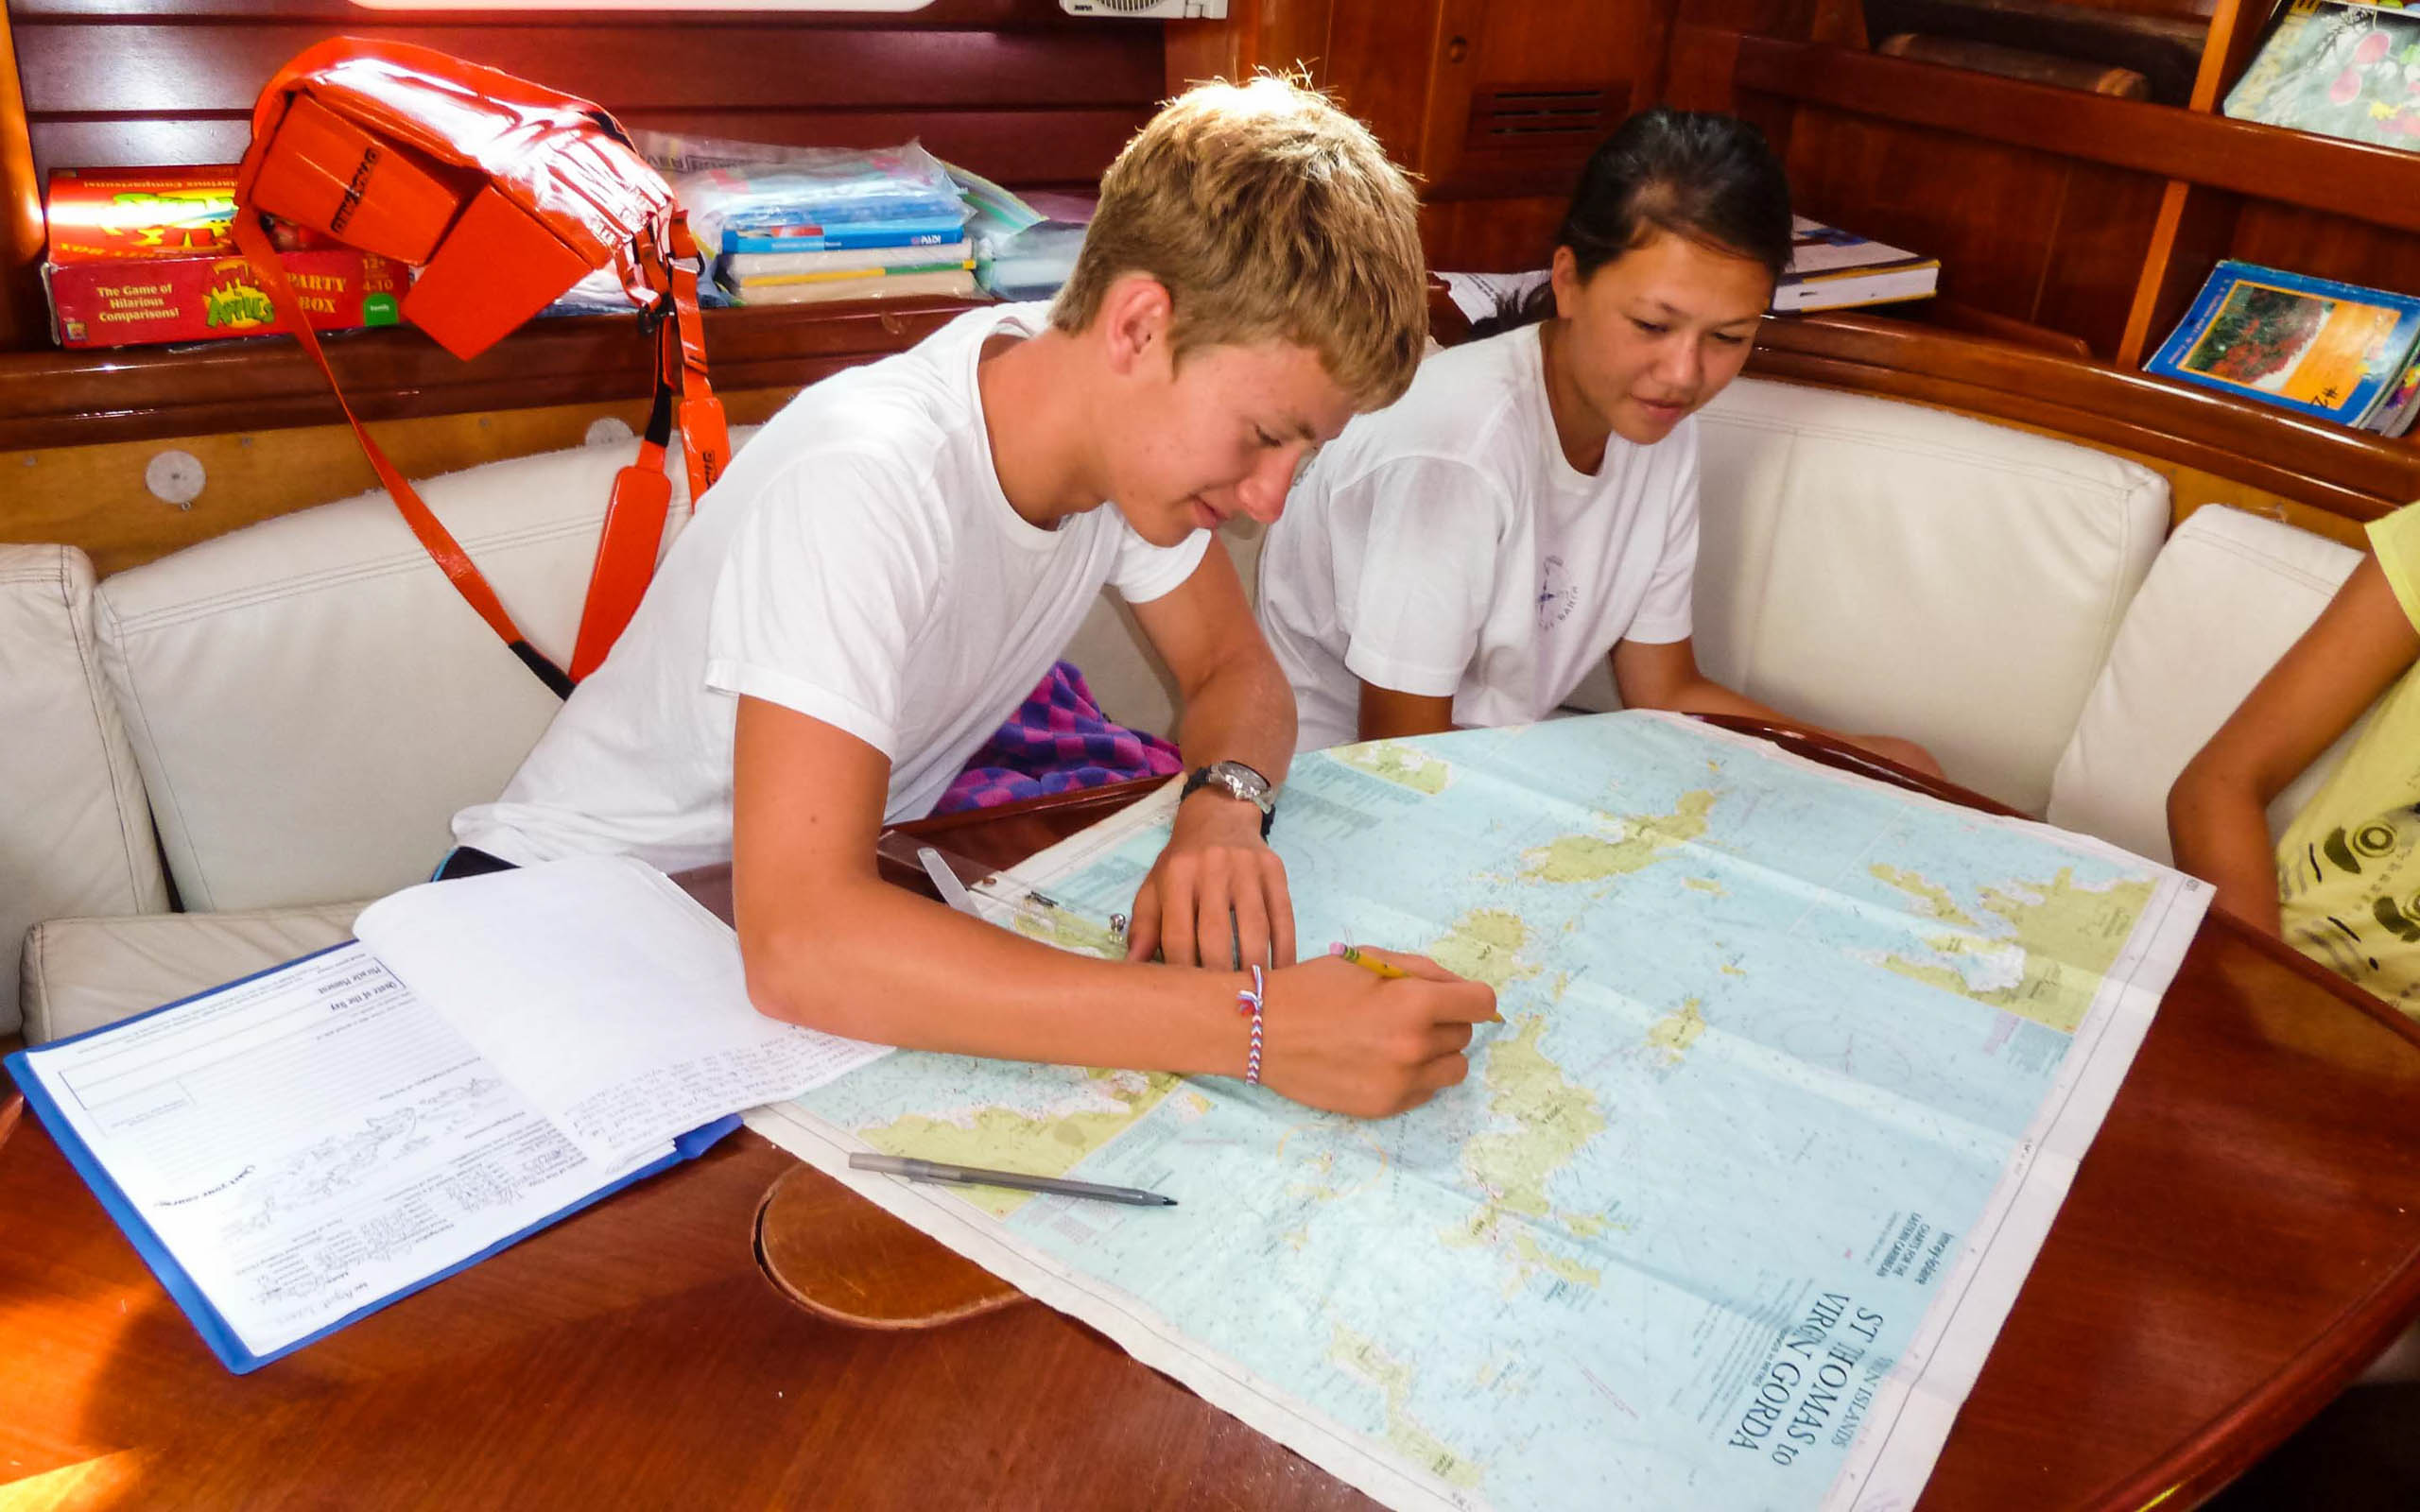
(2243, 1236)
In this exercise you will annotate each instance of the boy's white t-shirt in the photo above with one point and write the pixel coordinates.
(858, 562)
(1447, 545)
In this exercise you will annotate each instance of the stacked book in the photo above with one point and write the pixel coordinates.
(803, 225)
(2336, 351)
(1835, 270)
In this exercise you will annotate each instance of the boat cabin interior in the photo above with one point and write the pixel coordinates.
(1978, 518)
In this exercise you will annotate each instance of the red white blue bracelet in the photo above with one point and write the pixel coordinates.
(1249, 1001)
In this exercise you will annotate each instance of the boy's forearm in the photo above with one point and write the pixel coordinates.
(874, 962)
(1242, 712)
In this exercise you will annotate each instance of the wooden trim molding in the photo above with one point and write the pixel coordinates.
(2310, 462)
(2265, 161)
(56, 399)
(21, 315)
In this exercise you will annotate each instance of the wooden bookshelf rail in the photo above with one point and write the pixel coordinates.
(2311, 462)
(56, 399)
(2380, 186)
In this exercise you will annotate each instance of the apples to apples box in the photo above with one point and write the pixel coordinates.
(139, 256)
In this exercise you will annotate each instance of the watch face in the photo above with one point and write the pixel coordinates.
(1238, 780)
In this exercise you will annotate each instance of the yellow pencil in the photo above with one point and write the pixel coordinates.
(1367, 963)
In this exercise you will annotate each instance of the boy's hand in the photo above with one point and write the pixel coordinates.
(1343, 1038)
(1217, 896)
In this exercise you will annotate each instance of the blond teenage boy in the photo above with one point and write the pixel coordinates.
(895, 560)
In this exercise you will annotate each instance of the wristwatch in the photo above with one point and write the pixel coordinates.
(1235, 780)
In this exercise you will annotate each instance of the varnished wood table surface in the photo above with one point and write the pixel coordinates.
(2243, 1236)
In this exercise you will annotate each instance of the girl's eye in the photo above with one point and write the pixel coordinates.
(1265, 439)
(1730, 340)
(1651, 327)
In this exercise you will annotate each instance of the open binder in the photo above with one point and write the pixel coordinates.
(292, 1151)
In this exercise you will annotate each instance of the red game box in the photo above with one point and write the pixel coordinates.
(144, 255)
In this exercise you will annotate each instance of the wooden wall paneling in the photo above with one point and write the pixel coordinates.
(1547, 82)
(95, 496)
(1989, 211)
(22, 318)
(1491, 235)
(939, 14)
(2106, 224)
(2244, 156)
(1023, 147)
(1655, 22)
(1702, 66)
(1453, 71)
(2193, 229)
(175, 69)
(2326, 246)
(1380, 56)
(1015, 88)
(1280, 36)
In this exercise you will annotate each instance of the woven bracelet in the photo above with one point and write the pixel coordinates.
(1249, 1001)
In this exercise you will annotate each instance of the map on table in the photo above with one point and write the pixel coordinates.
(1795, 1069)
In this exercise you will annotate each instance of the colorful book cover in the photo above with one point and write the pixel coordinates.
(748, 281)
(2350, 71)
(954, 282)
(851, 259)
(2309, 344)
(803, 235)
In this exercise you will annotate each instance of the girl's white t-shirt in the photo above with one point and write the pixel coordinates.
(858, 564)
(1446, 545)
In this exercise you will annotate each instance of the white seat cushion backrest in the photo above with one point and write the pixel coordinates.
(1127, 677)
(2228, 594)
(1880, 567)
(310, 699)
(75, 833)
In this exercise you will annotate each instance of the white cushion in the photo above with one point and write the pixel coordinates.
(311, 701)
(1879, 567)
(74, 831)
(80, 974)
(2228, 594)
(1129, 681)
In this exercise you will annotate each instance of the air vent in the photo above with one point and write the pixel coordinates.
(1539, 119)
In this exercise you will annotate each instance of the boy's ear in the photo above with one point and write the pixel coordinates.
(1134, 322)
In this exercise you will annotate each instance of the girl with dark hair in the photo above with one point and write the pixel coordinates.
(1466, 556)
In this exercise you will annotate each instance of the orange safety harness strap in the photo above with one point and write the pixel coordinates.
(642, 493)
(442, 546)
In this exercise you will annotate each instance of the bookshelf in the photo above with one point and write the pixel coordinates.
(2079, 214)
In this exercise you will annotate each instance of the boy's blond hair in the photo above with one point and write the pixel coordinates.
(1269, 215)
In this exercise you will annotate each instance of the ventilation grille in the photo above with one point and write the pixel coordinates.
(1546, 121)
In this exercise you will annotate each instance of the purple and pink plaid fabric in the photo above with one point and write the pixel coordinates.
(1057, 741)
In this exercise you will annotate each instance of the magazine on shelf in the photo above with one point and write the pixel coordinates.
(2312, 345)
(2335, 69)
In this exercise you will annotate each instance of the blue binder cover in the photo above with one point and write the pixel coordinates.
(2306, 344)
(215, 1329)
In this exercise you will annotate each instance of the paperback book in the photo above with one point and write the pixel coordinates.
(1835, 270)
(2336, 351)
